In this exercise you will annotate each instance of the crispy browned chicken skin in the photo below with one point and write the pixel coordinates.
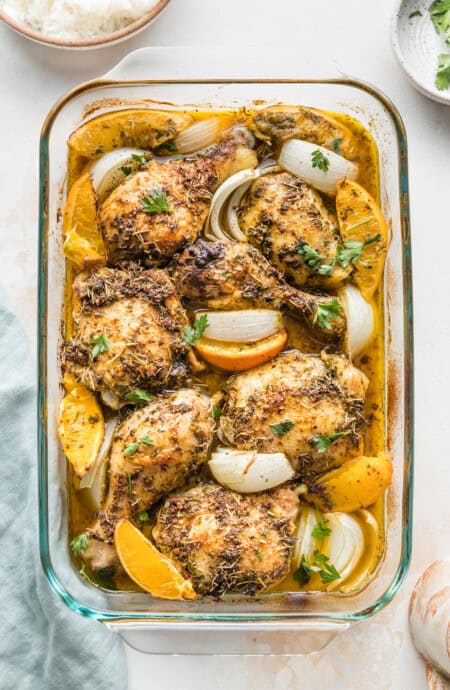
(227, 542)
(178, 430)
(234, 275)
(279, 215)
(316, 396)
(140, 315)
(188, 184)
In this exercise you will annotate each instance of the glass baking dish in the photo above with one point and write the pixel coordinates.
(287, 623)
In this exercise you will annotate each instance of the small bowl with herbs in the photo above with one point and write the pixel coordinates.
(421, 39)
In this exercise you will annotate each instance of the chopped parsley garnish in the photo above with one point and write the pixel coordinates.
(416, 13)
(156, 202)
(335, 145)
(147, 441)
(440, 16)
(319, 160)
(351, 251)
(171, 146)
(139, 396)
(192, 334)
(323, 442)
(216, 411)
(79, 544)
(133, 448)
(320, 530)
(100, 344)
(126, 170)
(144, 517)
(282, 428)
(442, 80)
(319, 563)
(259, 555)
(326, 312)
(314, 260)
(139, 159)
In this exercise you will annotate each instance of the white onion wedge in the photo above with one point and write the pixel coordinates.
(244, 326)
(369, 559)
(305, 542)
(198, 136)
(94, 482)
(247, 471)
(232, 216)
(345, 544)
(106, 172)
(111, 400)
(360, 319)
(296, 156)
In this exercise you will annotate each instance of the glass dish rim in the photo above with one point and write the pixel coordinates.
(406, 540)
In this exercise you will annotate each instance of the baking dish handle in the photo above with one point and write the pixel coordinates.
(203, 63)
(222, 639)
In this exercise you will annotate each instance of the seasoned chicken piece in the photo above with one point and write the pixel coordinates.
(156, 449)
(178, 194)
(283, 217)
(234, 275)
(228, 542)
(128, 324)
(308, 407)
(281, 122)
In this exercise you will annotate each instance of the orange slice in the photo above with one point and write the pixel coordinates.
(239, 356)
(144, 128)
(360, 218)
(81, 427)
(83, 243)
(145, 565)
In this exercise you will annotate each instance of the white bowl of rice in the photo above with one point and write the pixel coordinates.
(84, 24)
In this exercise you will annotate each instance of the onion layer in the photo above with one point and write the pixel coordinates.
(244, 326)
(296, 156)
(247, 471)
(198, 136)
(360, 319)
(94, 482)
(111, 169)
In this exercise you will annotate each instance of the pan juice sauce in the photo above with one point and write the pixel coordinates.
(370, 361)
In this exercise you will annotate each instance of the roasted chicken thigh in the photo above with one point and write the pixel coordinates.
(178, 193)
(128, 325)
(154, 451)
(231, 275)
(308, 407)
(228, 542)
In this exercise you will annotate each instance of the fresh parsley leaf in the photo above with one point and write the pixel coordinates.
(335, 145)
(126, 169)
(314, 260)
(139, 396)
(416, 13)
(326, 312)
(351, 251)
(303, 572)
(319, 564)
(144, 517)
(323, 442)
(320, 530)
(171, 146)
(193, 334)
(147, 441)
(156, 202)
(139, 159)
(282, 428)
(442, 80)
(100, 344)
(216, 413)
(319, 160)
(131, 449)
(79, 544)
(440, 16)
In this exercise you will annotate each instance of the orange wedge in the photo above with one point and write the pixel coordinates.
(239, 356)
(143, 128)
(83, 243)
(360, 218)
(81, 427)
(146, 566)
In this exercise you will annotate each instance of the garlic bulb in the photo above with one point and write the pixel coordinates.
(429, 615)
(247, 471)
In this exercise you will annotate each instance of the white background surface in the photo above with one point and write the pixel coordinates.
(351, 36)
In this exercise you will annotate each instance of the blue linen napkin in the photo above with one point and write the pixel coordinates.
(43, 645)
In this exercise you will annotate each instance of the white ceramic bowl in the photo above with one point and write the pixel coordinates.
(417, 46)
(88, 43)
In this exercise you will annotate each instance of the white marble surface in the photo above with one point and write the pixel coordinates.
(351, 36)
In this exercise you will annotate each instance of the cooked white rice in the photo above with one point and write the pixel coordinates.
(78, 19)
